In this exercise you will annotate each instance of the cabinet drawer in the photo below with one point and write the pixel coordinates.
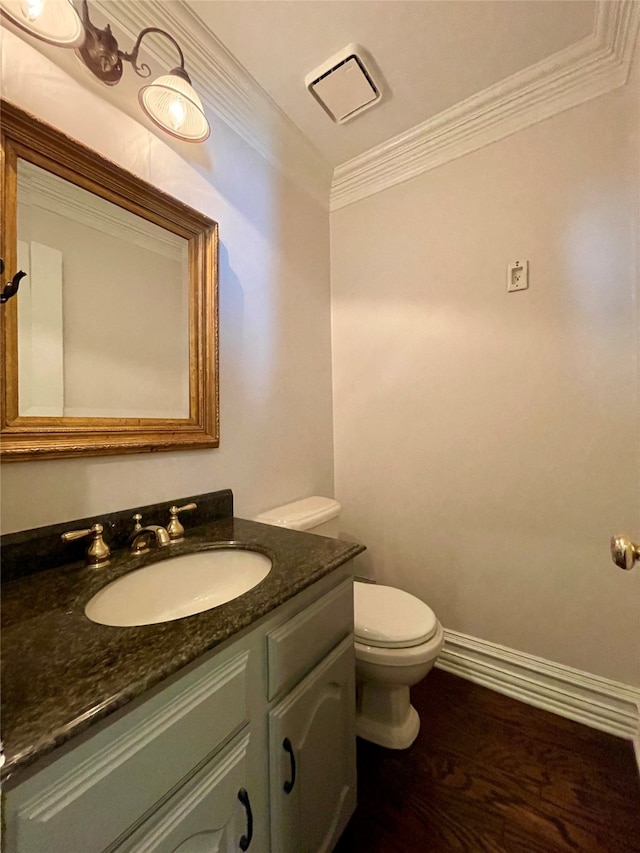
(206, 814)
(295, 647)
(130, 765)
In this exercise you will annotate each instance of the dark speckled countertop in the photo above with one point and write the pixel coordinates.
(62, 672)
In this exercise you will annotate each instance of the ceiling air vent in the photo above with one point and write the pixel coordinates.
(343, 85)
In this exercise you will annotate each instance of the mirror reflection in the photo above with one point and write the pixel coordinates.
(103, 316)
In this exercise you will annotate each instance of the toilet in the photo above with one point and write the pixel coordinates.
(397, 636)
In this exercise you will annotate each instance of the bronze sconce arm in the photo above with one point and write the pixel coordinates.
(102, 56)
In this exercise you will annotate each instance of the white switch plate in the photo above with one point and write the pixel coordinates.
(518, 275)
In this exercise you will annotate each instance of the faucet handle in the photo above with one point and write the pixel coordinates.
(138, 522)
(98, 551)
(175, 528)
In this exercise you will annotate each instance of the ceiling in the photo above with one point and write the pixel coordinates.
(430, 54)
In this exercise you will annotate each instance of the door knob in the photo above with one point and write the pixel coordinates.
(624, 552)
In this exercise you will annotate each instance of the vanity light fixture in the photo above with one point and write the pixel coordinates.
(170, 101)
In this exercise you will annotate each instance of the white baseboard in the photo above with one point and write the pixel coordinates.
(589, 699)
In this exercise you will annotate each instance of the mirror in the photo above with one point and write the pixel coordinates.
(111, 344)
(73, 245)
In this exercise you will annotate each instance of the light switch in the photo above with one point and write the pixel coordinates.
(518, 275)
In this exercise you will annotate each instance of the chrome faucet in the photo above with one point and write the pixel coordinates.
(142, 537)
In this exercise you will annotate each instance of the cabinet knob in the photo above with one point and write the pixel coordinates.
(288, 785)
(245, 841)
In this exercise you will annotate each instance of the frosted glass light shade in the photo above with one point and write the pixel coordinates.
(173, 104)
(53, 21)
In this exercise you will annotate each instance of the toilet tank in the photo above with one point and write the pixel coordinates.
(315, 515)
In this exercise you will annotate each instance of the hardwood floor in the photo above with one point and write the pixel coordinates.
(488, 773)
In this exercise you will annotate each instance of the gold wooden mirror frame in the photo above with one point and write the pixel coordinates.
(28, 437)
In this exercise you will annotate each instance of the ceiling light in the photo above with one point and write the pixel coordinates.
(170, 101)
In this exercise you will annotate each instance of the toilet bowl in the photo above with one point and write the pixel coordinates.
(397, 640)
(397, 637)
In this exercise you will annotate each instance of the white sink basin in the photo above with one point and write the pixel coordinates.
(179, 586)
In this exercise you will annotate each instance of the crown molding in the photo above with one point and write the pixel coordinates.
(591, 67)
(226, 88)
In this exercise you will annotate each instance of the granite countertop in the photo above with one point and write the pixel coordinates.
(62, 672)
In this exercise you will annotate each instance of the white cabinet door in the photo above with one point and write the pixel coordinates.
(211, 813)
(312, 757)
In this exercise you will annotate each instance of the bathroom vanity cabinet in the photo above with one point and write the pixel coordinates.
(251, 747)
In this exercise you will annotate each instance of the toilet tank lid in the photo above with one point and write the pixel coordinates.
(302, 515)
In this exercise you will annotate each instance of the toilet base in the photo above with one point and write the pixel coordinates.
(385, 716)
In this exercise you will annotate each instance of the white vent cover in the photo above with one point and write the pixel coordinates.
(343, 85)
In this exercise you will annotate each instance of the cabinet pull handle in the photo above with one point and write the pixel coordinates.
(245, 841)
(288, 785)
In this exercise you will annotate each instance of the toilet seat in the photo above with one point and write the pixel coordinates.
(400, 658)
(390, 618)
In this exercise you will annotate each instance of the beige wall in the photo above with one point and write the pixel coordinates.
(486, 443)
(275, 356)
